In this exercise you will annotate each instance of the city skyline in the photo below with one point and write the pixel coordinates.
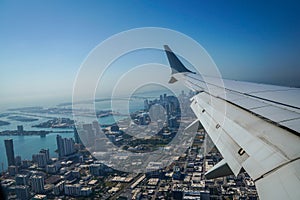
(44, 44)
(77, 173)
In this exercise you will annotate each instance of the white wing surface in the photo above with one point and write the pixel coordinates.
(254, 126)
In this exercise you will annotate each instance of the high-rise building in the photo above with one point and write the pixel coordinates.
(96, 169)
(21, 179)
(65, 146)
(40, 159)
(60, 146)
(9, 147)
(26, 163)
(146, 105)
(96, 126)
(86, 191)
(58, 188)
(37, 183)
(89, 135)
(12, 170)
(51, 169)
(18, 160)
(20, 128)
(22, 192)
(72, 190)
(47, 154)
(76, 136)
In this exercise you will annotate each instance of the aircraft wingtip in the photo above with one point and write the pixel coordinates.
(175, 64)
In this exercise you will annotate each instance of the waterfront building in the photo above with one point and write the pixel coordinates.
(47, 154)
(9, 147)
(76, 136)
(65, 146)
(20, 128)
(146, 105)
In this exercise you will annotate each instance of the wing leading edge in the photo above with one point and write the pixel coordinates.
(254, 126)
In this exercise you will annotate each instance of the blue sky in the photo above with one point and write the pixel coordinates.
(43, 43)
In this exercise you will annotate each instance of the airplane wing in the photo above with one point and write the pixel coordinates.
(254, 126)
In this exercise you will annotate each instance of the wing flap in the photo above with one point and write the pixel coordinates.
(234, 134)
(281, 184)
(219, 170)
(226, 145)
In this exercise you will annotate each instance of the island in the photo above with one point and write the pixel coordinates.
(41, 133)
(56, 123)
(4, 114)
(22, 119)
(3, 123)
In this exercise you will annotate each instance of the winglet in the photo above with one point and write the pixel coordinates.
(175, 64)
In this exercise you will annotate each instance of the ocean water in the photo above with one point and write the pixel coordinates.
(25, 146)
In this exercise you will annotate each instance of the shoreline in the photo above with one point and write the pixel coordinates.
(31, 133)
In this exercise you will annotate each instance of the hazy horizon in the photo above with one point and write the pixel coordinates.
(45, 43)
